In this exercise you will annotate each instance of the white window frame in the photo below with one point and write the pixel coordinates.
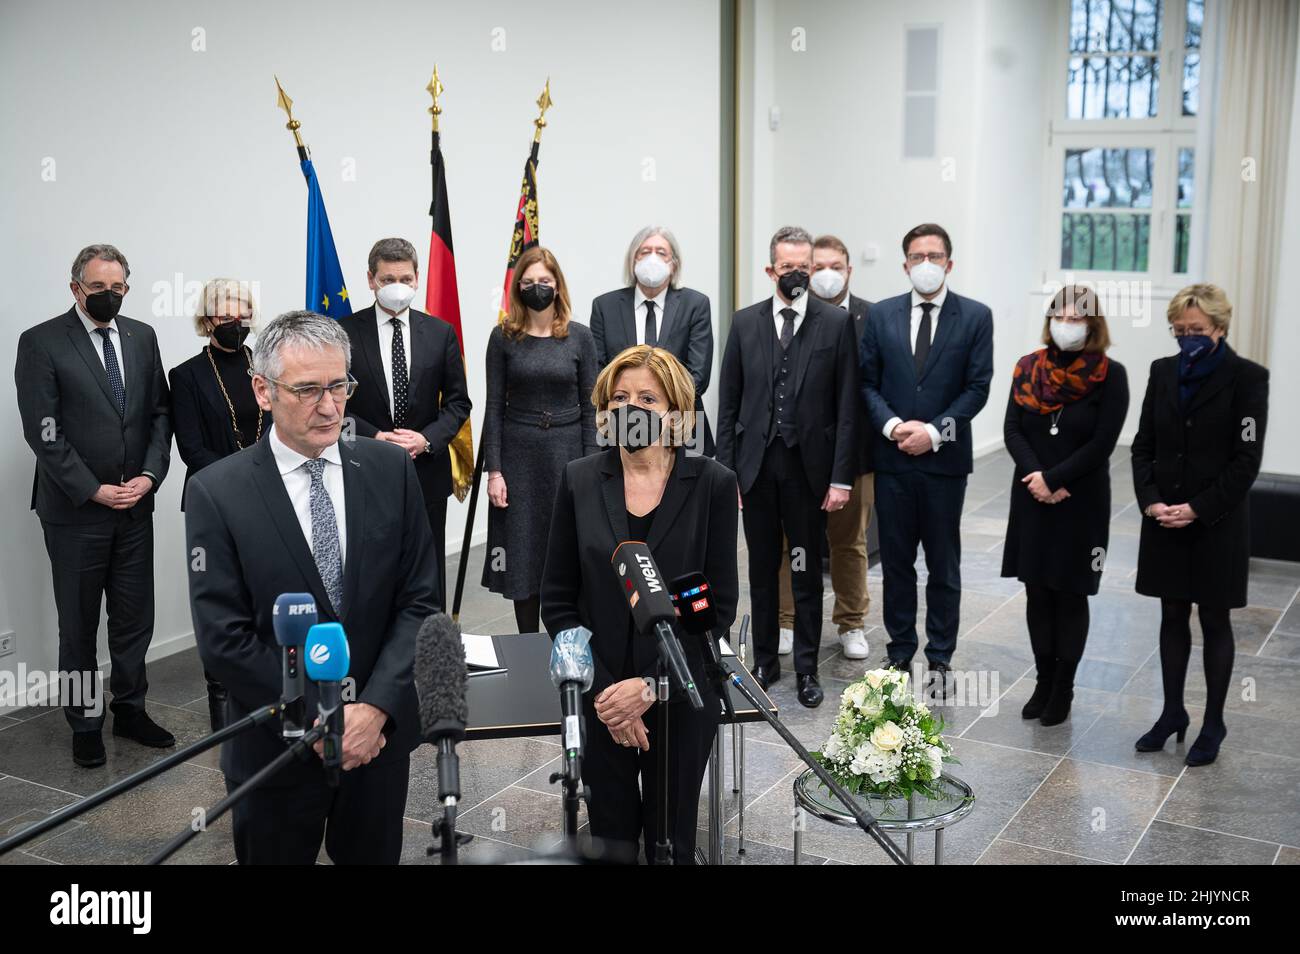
(1165, 134)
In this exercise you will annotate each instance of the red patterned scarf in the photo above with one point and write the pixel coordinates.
(1048, 379)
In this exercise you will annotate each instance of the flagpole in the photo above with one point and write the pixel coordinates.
(285, 103)
(543, 104)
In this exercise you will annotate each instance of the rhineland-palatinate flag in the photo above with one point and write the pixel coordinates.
(442, 300)
(525, 234)
(326, 292)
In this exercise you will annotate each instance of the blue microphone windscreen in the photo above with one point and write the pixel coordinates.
(292, 616)
(326, 653)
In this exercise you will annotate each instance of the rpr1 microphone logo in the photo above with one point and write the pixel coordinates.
(75, 907)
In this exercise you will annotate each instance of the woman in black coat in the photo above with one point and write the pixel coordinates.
(214, 412)
(1067, 406)
(684, 508)
(1196, 454)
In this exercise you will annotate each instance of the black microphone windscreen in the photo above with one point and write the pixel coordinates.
(440, 678)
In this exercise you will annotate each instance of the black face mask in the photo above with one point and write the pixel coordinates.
(793, 283)
(230, 335)
(634, 428)
(537, 297)
(103, 306)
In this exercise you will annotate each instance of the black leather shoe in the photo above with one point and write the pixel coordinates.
(88, 749)
(810, 691)
(766, 675)
(899, 664)
(140, 728)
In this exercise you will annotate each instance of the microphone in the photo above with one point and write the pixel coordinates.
(652, 610)
(693, 597)
(440, 681)
(572, 672)
(328, 660)
(291, 617)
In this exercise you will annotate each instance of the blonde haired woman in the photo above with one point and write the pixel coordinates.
(1197, 452)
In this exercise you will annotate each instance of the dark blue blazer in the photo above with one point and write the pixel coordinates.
(950, 390)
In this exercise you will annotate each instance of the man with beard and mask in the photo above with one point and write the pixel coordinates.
(214, 411)
(683, 507)
(787, 418)
(93, 399)
(846, 530)
(412, 382)
(926, 363)
(654, 309)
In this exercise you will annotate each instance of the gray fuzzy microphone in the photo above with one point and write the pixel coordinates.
(440, 680)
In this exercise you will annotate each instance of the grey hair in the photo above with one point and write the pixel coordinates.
(107, 253)
(629, 263)
(392, 250)
(223, 291)
(791, 235)
(302, 329)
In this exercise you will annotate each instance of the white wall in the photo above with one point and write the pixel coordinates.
(181, 159)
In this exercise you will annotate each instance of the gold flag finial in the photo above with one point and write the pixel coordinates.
(543, 104)
(285, 103)
(435, 89)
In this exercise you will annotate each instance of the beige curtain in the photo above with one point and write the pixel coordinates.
(1252, 121)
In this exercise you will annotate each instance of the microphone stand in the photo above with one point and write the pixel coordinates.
(663, 843)
(295, 750)
(70, 812)
(446, 840)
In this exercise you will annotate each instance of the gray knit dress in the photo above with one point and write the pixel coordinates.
(539, 417)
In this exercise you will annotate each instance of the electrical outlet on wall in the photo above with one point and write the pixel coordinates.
(8, 643)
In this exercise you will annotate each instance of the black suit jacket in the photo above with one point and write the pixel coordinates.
(694, 529)
(71, 420)
(253, 549)
(951, 389)
(826, 394)
(858, 308)
(201, 418)
(438, 399)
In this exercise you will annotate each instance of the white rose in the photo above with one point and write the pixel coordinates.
(934, 755)
(876, 678)
(887, 737)
(855, 694)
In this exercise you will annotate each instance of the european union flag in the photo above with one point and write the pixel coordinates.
(326, 293)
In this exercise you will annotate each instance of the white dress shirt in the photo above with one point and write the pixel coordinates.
(97, 340)
(936, 440)
(638, 313)
(297, 483)
(385, 322)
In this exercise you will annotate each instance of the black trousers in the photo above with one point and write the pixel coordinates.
(360, 821)
(91, 562)
(623, 781)
(437, 511)
(918, 508)
(781, 502)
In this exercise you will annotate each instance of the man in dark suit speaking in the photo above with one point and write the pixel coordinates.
(303, 511)
(926, 362)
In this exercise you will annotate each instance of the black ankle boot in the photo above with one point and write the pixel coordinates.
(1042, 690)
(1168, 724)
(1057, 709)
(1206, 747)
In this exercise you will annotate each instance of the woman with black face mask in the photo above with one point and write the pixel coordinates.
(214, 412)
(541, 368)
(1197, 452)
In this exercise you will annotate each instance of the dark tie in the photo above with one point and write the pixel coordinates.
(651, 333)
(113, 369)
(922, 349)
(400, 381)
(325, 535)
(787, 327)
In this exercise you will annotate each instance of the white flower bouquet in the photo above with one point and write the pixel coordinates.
(885, 742)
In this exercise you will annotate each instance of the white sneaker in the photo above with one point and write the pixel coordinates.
(786, 646)
(855, 644)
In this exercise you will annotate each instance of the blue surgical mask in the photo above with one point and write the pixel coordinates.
(1195, 346)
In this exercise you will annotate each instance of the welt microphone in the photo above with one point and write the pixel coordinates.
(328, 660)
(572, 672)
(440, 681)
(652, 610)
(291, 617)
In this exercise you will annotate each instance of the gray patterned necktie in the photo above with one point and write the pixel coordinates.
(325, 535)
(113, 370)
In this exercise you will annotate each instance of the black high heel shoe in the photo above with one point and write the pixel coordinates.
(1155, 740)
(1206, 747)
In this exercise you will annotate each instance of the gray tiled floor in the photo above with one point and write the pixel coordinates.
(1077, 793)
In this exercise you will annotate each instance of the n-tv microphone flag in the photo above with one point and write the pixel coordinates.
(326, 292)
(441, 296)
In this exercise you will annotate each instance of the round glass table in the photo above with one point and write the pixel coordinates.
(905, 815)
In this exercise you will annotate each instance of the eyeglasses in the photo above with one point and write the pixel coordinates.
(1184, 332)
(935, 258)
(94, 288)
(311, 394)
